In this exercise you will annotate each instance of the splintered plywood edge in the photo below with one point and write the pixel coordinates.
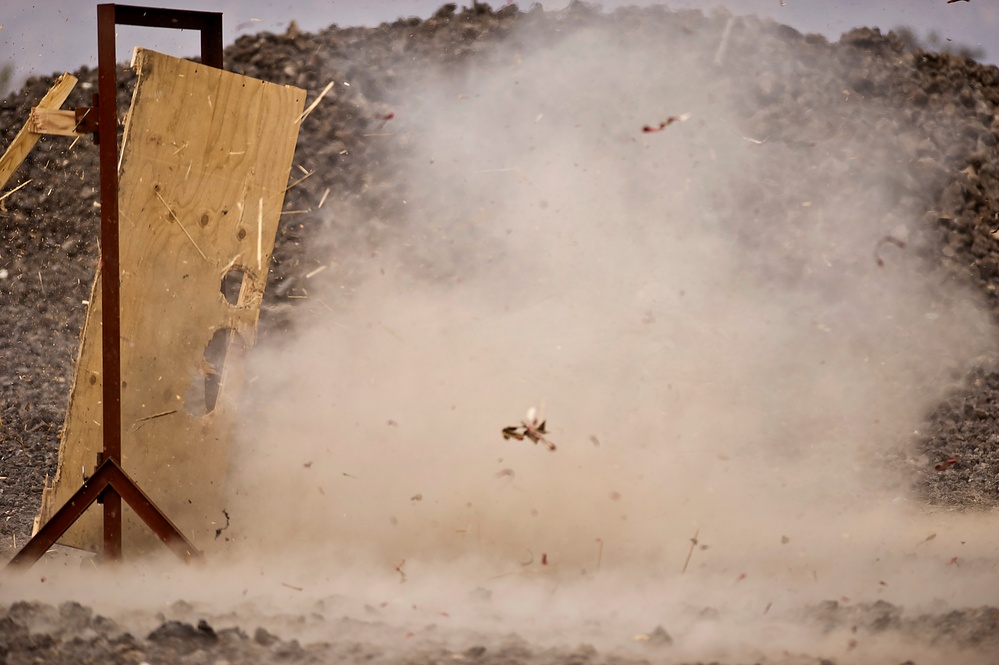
(205, 161)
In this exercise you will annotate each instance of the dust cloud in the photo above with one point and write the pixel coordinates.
(702, 319)
(707, 361)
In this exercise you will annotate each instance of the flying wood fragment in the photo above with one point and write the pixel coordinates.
(245, 25)
(14, 190)
(307, 174)
(315, 103)
(877, 248)
(690, 553)
(529, 428)
(665, 123)
(218, 532)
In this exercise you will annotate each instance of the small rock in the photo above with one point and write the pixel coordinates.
(264, 638)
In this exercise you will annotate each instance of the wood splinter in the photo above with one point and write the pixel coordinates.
(690, 553)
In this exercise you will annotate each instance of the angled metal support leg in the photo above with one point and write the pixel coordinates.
(109, 478)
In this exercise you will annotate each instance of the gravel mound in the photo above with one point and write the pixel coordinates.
(842, 107)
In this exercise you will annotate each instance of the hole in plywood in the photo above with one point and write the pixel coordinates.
(232, 283)
(206, 386)
(213, 366)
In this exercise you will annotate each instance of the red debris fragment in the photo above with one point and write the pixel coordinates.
(946, 464)
(384, 117)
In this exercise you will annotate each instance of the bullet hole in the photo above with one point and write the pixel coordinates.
(232, 284)
(203, 393)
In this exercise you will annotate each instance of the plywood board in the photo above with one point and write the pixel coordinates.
(205, 162)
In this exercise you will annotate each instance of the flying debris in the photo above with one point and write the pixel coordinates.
(946, 464)
(529, 429)
(877, 248)
(951, 1)
(665, 123)
(384, 117)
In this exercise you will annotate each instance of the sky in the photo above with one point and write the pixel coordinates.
(42, 38)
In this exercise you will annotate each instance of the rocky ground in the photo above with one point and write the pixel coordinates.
(73, 633)
(934, 116)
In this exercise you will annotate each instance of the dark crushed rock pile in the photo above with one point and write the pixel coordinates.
(962, 445)
(934, 118)
(71, 633)
(32, 632)
(974, 627)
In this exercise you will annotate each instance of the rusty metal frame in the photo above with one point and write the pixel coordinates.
(109, 478)
(110, 484)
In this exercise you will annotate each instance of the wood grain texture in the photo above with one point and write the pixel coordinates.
(52, 121)
(26, 139)
(204, 166)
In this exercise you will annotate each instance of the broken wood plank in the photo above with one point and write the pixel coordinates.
(53, 121)
(26, 139)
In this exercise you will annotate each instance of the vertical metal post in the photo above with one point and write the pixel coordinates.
(110, 484)
(107, 91)
(211, 40)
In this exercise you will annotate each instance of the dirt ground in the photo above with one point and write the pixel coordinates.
(843, 109)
